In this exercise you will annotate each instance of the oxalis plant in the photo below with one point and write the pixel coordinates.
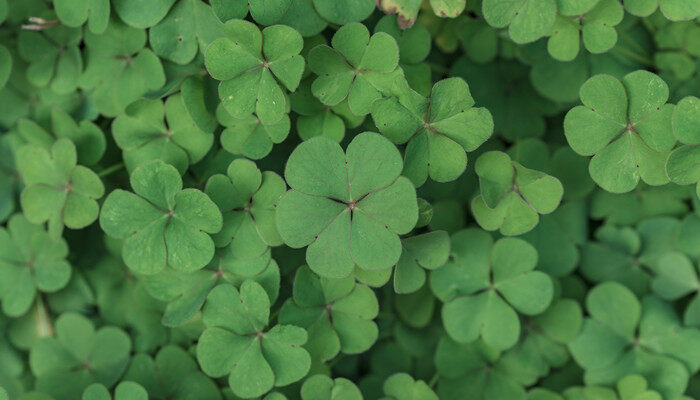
(350, 199)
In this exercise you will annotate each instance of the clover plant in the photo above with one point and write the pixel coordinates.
(349, 199)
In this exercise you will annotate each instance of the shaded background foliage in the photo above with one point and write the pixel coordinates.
(348, 199)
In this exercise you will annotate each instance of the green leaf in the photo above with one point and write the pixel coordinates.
(502, 282)
(402, 386)
(341, 12)
(263, 61)
(337, 313)
(406, 11)
(439, 130)
(78, 356)
(337, 196)
(247, 199)
(161, 222)
(75, 13)
(427, 251)
(235, 344)
(30, 261)
(320, 387)
(626, 126)
(527, 20)
(672, 9)
(139, 15)
(143, 135)
(124, 391)
(249, 136)
(512, 196)
(57, 189)
(686, 120)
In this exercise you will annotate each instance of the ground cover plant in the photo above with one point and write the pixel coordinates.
(350, 199)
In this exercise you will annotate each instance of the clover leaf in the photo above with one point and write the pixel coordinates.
(348, 208)
(677, 49)
(672, 9)
(406, 10)
(527, 20)
(676, 277)
(439, 129)
(358, 67)
(190, 25)
(186, 292)
(317, 119)
(75, 14)
(234, 342)
(124, 391)
(596, 27)
(54, 59)
(427, 251)
(78, 356)
(402, 386)
(119, 69)
(473, 370)
(623, 337)
(682, 164)
(90, 143)
(512, 196)
(626, 126)
(138, 15)
(30, 261)
(320, 387)
(247, 200)
(143, 135)
(161, 222)
(171, 374)
(248, 136)
(262, 61)
(263, 12)
(501, 281)
(57, 189)
(9, 180)
(337, 313)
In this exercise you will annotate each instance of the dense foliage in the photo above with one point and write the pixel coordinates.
(349, 199)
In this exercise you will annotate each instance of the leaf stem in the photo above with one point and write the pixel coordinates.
(433, 380)
(110, 169)
(44, 327)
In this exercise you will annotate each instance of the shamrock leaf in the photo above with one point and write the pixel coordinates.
(171, 374)
(337, 313)
(675, 278)
(261, 60)
(427, 251)
(634, 387)
(358, 67)
(341, 12)
(234, 342)
(335, 197)
(248, 136)
(626, 126)
(143, 135)
(402, 386)
(54, 59)
(317, 119)
(596, 27)
(186, 292)
(78, 356)
(406, 10)
(9, 179)
(74, 13)
(119, 70)
(321, 387)
(191, 25)
(439, 130)
(88, 138)
(501, 278)
(527, 20)
(247, 200)
(30, 261)
(683, 164)
(140, 15)
(263, 12)
(512, 196)
(161, 222)
(124, 391)
(674, 10)
(473, 370)
(623, 337)
(57, 189)
(677, 50)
